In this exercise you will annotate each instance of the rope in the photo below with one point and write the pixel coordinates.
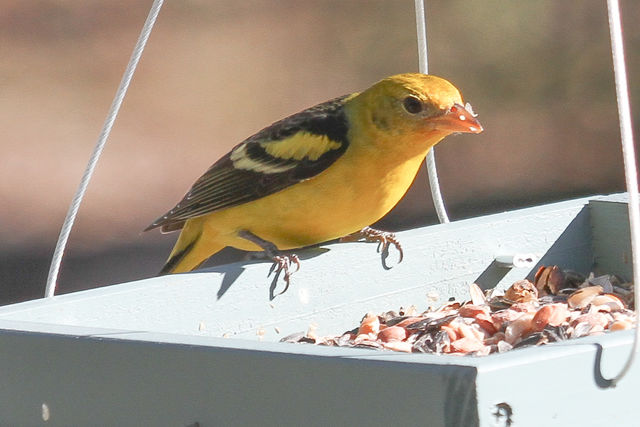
(630, 169)
(54, 269)
(434, 183)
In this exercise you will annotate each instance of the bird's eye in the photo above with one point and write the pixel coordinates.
(412, 104)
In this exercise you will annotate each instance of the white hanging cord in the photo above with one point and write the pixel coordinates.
(421, 26)
(434, 184)
(630, 169)
(102, 139)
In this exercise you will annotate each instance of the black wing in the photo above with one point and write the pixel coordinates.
(289, 151)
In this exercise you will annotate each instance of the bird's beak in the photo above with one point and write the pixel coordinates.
(457, 119)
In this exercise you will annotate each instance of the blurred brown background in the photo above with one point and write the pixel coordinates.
(538, 73)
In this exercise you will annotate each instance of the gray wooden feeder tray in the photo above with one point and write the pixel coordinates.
(201, 349)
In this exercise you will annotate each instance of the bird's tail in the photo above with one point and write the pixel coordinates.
(189, 251)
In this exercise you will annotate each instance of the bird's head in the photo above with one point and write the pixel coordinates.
(423, 106)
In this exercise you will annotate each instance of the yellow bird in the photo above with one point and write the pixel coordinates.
(324, 173)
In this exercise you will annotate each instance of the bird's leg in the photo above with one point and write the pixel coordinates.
(281, 262)
(383, 238)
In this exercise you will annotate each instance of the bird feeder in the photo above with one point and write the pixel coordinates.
(202, 348)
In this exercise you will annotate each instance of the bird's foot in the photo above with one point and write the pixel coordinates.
(383, 238)
(283, 263)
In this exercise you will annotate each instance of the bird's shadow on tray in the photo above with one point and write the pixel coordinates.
(232, 262)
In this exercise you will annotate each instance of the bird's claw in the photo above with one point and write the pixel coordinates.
(283, 263)
(384, 240)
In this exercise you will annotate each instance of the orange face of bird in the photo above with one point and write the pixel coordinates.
(420, 105)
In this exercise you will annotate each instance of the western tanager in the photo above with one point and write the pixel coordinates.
(321, 174)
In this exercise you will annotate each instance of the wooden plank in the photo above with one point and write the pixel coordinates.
(336, 285)
(102, 380)
(560, 384)
(611, 243)
(94, 377)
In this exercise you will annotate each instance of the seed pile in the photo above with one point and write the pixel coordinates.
(558, 305)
